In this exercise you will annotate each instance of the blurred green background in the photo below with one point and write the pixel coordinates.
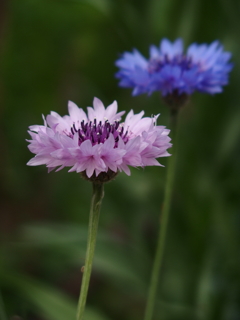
(53, 51)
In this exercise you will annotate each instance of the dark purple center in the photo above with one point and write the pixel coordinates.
(99, 132)
(156, 64)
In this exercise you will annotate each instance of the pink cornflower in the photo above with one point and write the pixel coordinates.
(98, 142)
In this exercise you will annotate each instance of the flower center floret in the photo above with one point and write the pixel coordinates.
(99, 132)
(156, 64)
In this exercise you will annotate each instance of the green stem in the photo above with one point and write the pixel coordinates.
(97, 197)
(3, 315)
(157, 264)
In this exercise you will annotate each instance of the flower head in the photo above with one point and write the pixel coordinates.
(203, 68)
(97, 142)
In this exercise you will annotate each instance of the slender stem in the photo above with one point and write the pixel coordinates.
(157, 264)
(3, 315)
(97, 197)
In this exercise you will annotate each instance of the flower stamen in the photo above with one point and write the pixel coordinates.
(99, 132)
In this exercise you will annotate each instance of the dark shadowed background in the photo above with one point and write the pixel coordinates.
(52, 51)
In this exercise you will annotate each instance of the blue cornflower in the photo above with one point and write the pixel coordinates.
(203, 68)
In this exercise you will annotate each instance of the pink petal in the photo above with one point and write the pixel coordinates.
(99, 109)
(76, 113)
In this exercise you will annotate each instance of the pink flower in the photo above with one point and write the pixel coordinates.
(97, 142)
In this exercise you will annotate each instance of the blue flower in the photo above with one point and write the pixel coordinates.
(203, 68)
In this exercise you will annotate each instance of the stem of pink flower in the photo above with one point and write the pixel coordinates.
(97, 196)
(157, 264)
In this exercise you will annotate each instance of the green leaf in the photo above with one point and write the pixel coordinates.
(47, 301)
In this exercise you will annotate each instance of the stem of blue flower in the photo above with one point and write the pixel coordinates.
(164, 217)
(3, 315)
(97, 196)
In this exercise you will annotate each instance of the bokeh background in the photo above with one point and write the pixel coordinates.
(52, 51)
